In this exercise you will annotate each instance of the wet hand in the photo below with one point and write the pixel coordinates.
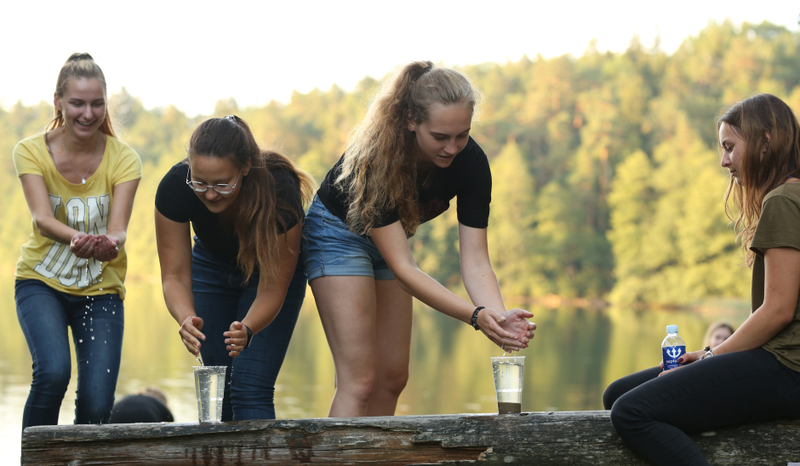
(191, 335)
(236, 338)
(517, 322)
(505, 332)
(106, 248)
(82, 245)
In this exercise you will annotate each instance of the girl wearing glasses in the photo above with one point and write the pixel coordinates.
(408, 159)
(79, 182)
(237, 292)
(754, 375)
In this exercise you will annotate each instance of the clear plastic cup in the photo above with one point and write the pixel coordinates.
(209, 384)
(508, 374)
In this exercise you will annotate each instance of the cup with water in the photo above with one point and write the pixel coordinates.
(209, 384)
(508, 373)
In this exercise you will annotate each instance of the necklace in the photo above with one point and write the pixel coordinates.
(428, 177)
(69, 159)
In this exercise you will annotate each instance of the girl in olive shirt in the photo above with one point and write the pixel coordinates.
(754, 375)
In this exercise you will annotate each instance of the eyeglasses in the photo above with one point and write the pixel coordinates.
(221, 188)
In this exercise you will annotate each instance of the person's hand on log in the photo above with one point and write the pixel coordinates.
(191, 334)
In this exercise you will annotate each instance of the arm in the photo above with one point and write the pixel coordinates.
(393, 246)
(781, 285)
(42, 212)
(175, 256)
(481, 281)
(270, 294)
(108, 245)
(476, 268)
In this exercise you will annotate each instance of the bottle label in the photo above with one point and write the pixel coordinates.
(671, 355)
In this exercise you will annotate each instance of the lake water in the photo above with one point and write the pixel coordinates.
(576, 353)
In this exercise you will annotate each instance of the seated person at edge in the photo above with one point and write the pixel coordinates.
(754, 375)
(149, 405)
(407, 160)
(717, 333)
(237, 293)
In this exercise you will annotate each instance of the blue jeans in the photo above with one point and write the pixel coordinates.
(97, 324)
(220, 297)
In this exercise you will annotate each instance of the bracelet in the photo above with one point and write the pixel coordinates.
(474, 321)
(249, 335)
(708, 353)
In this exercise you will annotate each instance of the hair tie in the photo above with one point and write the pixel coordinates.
(424, 70)
(232, 118)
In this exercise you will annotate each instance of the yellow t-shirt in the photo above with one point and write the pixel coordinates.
(84, 207)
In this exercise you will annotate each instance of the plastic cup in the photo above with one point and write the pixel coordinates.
(209, 384)
(508, 373)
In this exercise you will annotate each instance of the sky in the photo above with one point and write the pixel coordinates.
(193, 53)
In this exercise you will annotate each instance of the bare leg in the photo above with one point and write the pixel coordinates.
(346, 307)
(393, 330)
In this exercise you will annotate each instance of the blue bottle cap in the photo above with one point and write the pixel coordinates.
(672, 329)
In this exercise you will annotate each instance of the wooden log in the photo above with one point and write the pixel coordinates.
(537, 438)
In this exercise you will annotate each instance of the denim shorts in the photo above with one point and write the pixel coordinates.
(332, 249)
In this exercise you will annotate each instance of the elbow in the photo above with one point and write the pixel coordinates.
(786, 317)
(41, 228)
(404, 276)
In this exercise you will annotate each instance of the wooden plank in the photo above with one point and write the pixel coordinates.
(541, 438)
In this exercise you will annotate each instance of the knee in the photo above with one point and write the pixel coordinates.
(361, 389)
(625, 415)
(610, 395)
(395, 383)
(52, 377)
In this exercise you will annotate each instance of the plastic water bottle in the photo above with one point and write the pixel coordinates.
(672, 348)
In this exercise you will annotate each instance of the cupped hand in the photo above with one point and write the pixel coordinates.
(517, 322)
(82, 245)
(191, 335)
(106, 248)
(236, 338)
(508, 330)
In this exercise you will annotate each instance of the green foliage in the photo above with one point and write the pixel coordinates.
(606, 182)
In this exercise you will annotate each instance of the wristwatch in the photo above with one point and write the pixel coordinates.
(708, 353)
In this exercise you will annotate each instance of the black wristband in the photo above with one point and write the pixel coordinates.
(249, 335)
(475, 317)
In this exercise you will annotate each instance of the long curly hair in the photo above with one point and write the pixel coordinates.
(258, 220)
(378, 171)
(753, 119)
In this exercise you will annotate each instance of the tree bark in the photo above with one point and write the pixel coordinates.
(540, 438)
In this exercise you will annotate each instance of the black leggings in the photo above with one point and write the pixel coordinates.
(653, 414)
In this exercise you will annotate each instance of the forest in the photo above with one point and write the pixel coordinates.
(607, 183)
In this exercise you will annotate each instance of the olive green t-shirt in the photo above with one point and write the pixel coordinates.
(779, 226)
